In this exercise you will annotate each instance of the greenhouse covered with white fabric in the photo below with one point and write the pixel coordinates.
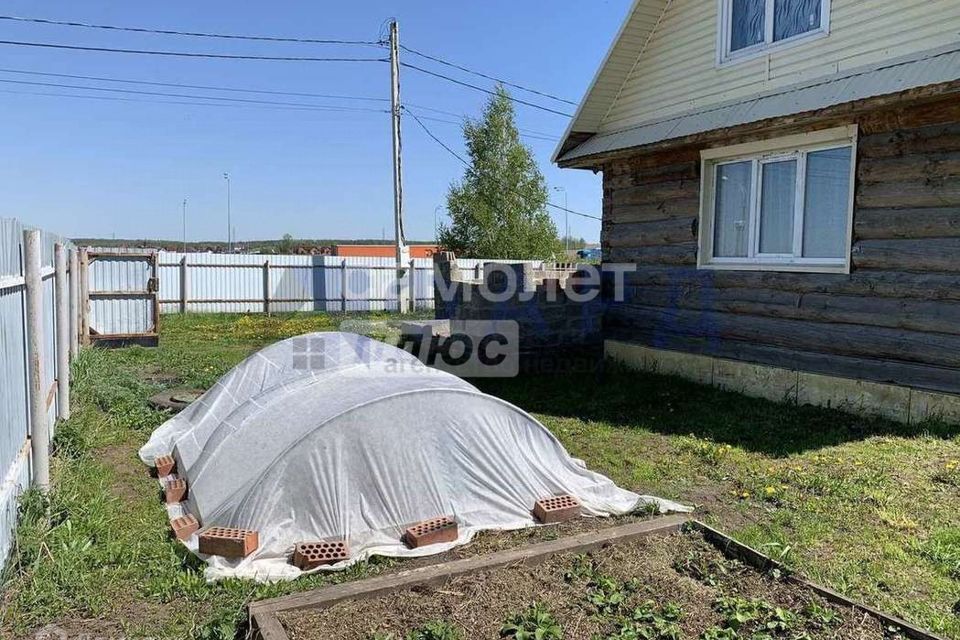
(338, 436)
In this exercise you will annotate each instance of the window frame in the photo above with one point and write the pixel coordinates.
(724, 33)
(765, 152)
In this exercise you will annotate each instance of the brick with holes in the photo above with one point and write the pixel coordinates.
(184, 526)
(432, 531)
(228, 542)
(310, 555)
(556, 509)
(175, 491)
(165, 465)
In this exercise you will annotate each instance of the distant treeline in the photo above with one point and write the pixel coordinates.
(283, 245)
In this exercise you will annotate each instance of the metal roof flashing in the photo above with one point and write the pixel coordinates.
(931, 67)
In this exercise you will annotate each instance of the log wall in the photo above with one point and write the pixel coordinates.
(894, 319)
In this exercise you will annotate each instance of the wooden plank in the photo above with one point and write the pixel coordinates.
(939, 138)
(657, 193)
(886, 224)
(931, 254)
(633, 176)
(618, 213)
(438, 573)
(265, 625)
(642, 234)
(886, 284)
(51, 394)
(935, 316)
(909, 167)
(675, 254)
(682, 327)
(941, 192)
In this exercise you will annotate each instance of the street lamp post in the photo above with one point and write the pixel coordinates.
(184, 225)
(436, 223)
(226, 176)
(566, 219)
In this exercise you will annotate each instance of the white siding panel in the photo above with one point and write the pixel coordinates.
(679, 71)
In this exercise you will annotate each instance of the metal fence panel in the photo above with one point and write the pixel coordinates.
(118, 285)
(235, 283)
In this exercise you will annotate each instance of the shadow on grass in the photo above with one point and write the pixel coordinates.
(623, 398)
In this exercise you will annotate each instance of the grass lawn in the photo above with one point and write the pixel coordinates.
(868, 507)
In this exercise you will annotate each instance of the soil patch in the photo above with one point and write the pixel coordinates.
(676, 586)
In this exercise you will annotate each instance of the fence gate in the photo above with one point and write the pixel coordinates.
(121, 296)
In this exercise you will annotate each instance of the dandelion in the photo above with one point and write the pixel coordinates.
(770, 491)
(745, 495)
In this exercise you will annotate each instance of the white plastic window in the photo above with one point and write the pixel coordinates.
(789, 208)
(750, 27)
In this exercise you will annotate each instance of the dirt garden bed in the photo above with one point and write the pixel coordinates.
(645, 581)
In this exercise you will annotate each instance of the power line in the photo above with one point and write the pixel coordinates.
(175, 102)
(194, 34)
(488, 77)
(525, 133)
(484, 90)
(193, 97)
(473, 171)
(185, 54)
(178, 85)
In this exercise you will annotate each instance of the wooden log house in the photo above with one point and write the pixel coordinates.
(785, 174)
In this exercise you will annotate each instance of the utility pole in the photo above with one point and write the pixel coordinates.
(402, 252)
(226, 176)
(184, 225)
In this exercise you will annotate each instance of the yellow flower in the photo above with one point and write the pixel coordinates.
(745, 495)
(770, 491)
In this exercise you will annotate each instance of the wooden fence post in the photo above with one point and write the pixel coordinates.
(343, 285)
(62, 341)
(84, 297)
(74, 304)
(266, 287)
(184, 284)
(39, 429)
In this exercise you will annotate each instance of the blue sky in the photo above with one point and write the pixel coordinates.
(90, 167)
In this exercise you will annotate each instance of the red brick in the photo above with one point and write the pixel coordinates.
(310, 555)
(432, 531)
(229, 542)
(184, 526)
(175, 491)
(165, 465)
(556, 509)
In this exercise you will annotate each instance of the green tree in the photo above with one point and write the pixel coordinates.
(499, 208)
(286, 244)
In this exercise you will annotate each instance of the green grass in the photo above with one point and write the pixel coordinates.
(866, 506)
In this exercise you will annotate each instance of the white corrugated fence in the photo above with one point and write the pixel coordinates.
(239, 283)
(16, 468)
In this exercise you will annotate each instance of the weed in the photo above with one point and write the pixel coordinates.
(943, 550)
(737, 611)
(536, 623)
(821, 616)
(609, 596)
(704, 567)
(718, 633)
(437, 630)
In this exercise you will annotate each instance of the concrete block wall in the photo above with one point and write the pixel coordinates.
(557, 331)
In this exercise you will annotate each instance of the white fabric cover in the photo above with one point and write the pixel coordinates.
(335, 435)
